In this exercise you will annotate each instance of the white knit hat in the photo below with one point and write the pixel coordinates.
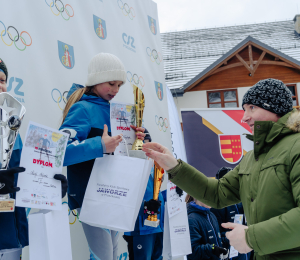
(105, 67)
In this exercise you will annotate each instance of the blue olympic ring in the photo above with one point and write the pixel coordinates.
(162, 124)
(155, 55)
(135, 79)
(128, 10)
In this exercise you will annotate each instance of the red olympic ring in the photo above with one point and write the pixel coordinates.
(67, 11)
(29, 37)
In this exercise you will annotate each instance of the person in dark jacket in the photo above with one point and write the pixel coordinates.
(13, 225)
(147, 242)
(206, 239)
(227, 214)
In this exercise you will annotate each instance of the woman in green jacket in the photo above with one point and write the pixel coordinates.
(267, 180)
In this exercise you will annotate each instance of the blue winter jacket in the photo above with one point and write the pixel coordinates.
(140, 228)
(84, 122)
(227, 215)
(204, 232)
(13, 225)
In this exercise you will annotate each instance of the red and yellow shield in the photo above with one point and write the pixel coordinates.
(231, 148)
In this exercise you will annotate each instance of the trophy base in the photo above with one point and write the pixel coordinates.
(137, 154)
(7, 205)
(149, 223)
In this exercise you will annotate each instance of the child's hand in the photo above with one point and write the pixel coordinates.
(140, 135)
(111, 142)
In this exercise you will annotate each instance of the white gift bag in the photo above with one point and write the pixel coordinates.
(176, 240)
(49, 235)
(115, 192)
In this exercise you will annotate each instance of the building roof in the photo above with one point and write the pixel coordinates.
(188, 53)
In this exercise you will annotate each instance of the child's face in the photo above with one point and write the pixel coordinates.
(107, 90)
(2, 82)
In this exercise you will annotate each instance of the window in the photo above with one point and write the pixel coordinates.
(222, 98)
(293, 89)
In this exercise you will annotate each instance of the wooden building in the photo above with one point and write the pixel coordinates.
(213, 68)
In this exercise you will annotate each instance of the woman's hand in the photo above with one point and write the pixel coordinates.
(161, 155)
(137, 130)
(111, 142)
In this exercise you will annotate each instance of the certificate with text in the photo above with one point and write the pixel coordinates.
(42, 156)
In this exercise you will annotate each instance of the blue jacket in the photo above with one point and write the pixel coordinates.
(84, 123)
(140, 228)
(13, 225)
(227, 215)
(204, 231)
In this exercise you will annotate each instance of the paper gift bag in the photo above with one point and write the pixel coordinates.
(49, 235)
(115, 192)
(176, 240)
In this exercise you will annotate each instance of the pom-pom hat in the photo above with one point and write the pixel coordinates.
(105, 67)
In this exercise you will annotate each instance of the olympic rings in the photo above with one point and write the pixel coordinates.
(74, 214)
(15, 38)
(162, 124)
(135, 79)
(154, 55)
(60, 97)
(60, 10)
(126, 10)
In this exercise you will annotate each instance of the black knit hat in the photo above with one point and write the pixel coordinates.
(3, 67)
(271, 95)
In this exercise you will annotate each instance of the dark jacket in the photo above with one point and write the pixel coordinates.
(227, 215)
(84, 123)
(204, 232)
(13, 225)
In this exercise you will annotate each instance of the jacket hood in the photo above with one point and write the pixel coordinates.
(286, 125)
(194, 208)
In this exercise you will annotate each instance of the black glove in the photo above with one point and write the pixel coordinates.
(64, 183)
(152, 206)
(7, 180)
(217, 251)
(179, 191)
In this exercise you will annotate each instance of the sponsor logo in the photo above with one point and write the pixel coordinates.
(124, 128)
(128, 42)
(113, 191)
(26, 200)
(57, 8)
(126, 9)
(66, 55)
(230, 148)
(10, 35)
(159, 90)
(179, 230)
(135, 80)
(152, 25)
(100, 27)
(161, 123)
(14, 85)
(41, 162)
(154, 55)
(139, 246)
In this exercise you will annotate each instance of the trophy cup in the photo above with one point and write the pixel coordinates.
(152, 220)
(139, 103)
(11, 116)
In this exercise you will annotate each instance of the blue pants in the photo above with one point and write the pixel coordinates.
(146, 247)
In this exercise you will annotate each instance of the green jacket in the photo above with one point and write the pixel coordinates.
(267, 182)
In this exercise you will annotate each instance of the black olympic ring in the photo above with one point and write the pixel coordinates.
(155, 56)
(63, 7)
(9, 33)
(125, 8)
(65, 97)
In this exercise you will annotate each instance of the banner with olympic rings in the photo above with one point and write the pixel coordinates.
(47, 46)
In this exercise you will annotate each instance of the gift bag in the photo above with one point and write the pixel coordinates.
(176, 240)
(49, 235)
(115, 192)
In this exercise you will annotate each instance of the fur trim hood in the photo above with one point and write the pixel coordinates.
(293, 122)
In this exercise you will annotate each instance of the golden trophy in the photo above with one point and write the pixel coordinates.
(150, 207)
(139, 103)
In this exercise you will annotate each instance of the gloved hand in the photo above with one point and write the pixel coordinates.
(64, 183)
(7, 179)
(179, 191)
(152, 206)
(219, 251)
